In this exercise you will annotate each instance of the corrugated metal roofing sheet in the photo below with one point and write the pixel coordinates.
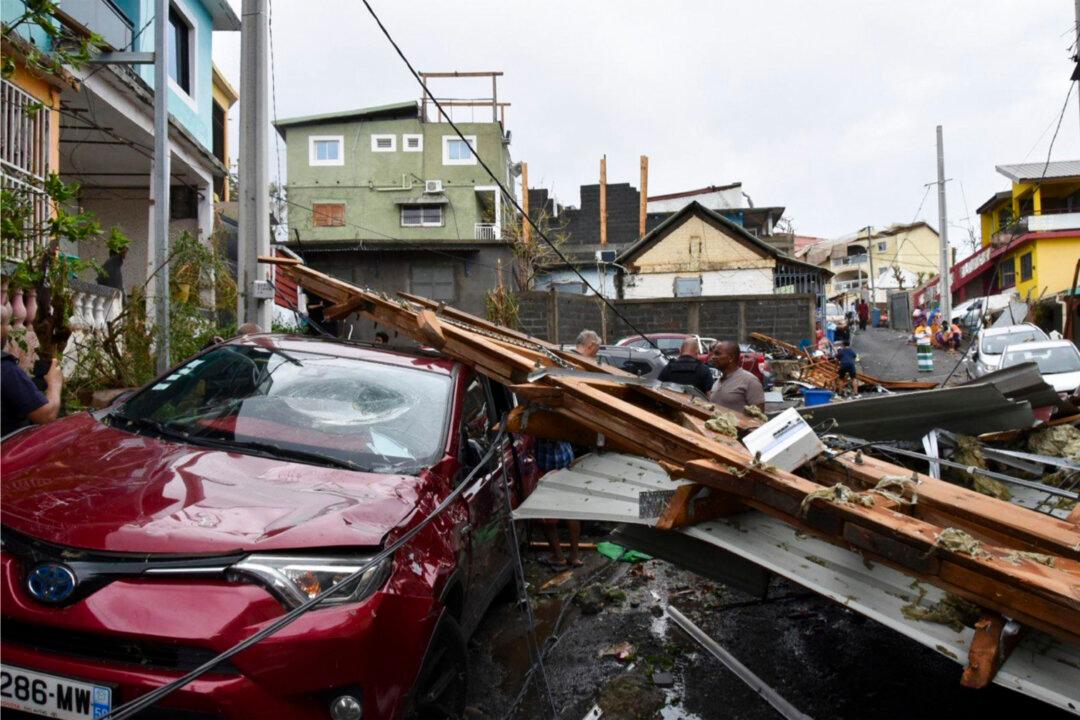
(1021, 172)
(602, 487)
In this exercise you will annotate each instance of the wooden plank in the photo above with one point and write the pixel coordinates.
(431, 329)
(542, 394)
(989, 650)
(689, 507)
(346, 308)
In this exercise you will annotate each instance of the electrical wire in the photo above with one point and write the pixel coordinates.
(502, 188)
(144, 702)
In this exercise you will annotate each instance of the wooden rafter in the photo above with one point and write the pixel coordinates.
(1043, 593)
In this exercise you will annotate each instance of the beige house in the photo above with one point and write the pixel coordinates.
(898, 257)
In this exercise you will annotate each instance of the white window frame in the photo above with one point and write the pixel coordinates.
(675, 286)
(882, 246)
(312, 139)
(471, 160)
(383, 136)
(193, 45)
(442, 216)
(409, 136)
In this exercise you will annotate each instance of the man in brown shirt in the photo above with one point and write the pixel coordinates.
(736, 387)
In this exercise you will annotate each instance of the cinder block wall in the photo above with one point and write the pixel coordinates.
(560, 317)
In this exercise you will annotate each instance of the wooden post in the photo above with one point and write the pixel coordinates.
(494, 98)
(526, 228)
(644, 194)
(603, 201)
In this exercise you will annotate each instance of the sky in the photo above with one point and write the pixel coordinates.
(828, 109)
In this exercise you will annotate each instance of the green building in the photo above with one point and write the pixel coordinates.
(381, 198)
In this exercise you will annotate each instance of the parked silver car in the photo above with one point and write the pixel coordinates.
(985, 353)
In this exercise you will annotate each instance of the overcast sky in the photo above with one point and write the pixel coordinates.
(825, 108)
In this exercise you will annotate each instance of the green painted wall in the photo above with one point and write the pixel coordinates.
(372, 215)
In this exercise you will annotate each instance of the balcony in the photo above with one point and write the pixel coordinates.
(850, 260)
(1053, 221)
(101, 17)
(24, 165)
(486, 231)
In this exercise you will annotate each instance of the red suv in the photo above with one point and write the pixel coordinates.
(143, 540)
(670, 344)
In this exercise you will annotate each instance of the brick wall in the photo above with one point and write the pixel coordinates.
(561, 316)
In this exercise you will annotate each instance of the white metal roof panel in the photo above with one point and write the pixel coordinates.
(606, 488)
(1021, 172)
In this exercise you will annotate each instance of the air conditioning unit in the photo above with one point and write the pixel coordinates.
(605, 256)
(433, 186)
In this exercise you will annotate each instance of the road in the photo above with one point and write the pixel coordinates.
(887, 354)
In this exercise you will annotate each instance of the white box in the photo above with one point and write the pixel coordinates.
(786, 441)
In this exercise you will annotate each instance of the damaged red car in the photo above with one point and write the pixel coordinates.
(141, 541)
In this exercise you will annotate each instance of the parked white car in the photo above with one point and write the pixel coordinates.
(985, 354)
(1058, 361)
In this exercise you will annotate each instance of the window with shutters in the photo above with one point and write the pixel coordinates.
(383, 143)
(688, 287)
(421, 216)
(1008, 274)
(412, 143)
(328, 214)
(435, 282)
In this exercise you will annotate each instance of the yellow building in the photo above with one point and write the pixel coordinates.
(224, 97)
(31, 146)
(1030, 234)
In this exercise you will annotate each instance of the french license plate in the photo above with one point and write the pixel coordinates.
(52, 696)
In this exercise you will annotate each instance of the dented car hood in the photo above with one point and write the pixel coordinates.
(83, 484)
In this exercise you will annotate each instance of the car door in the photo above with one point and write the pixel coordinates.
(485, 498)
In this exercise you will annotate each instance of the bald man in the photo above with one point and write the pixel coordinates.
(736, 388)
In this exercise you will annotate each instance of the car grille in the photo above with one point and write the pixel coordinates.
(109, 649)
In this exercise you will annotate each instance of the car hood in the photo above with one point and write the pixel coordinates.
(80, 483)
(1065, 382)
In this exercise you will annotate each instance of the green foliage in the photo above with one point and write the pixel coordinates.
(124, 354)
(68, 48)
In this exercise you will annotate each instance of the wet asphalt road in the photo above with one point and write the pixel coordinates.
(826, 660)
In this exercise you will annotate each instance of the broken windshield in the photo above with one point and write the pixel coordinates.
(376, 417)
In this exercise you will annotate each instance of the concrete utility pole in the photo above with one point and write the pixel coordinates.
(945, 303)
(870, 253)
(254, 294)
(1076, 48)
(160, 181)
(526, 228)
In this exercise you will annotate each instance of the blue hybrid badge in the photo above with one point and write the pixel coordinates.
(51, 582)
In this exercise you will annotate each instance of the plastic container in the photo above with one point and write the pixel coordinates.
(831, 333)
(875, 317)
(816, 396)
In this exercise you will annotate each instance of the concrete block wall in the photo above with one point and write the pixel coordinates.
(561, 316)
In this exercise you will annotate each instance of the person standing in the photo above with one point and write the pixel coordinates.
(864, 314)
(847, 357)
(21, 403)
(736, 388)
(687, 369)
(552, 455)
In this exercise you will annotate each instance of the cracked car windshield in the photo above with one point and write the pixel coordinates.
(299, 405)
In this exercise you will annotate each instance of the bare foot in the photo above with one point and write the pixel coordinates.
(553, 561)
(576, 561)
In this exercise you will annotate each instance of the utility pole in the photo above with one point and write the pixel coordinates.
(945, 303)
(526, 229)
(870, 252)
(643, 210)
(1076, 48)
(603, 201)
(160, 182)
(254, 294)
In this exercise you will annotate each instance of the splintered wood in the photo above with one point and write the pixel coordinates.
(886, 513)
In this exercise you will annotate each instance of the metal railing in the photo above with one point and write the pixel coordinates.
(25, 135)
(850, 260)
(486, 231)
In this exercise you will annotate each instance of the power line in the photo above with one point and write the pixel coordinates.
(506, 193)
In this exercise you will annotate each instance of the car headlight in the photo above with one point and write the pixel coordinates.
(295, 579)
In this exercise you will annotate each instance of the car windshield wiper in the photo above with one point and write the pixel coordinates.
(270, 450)
(156, 426)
